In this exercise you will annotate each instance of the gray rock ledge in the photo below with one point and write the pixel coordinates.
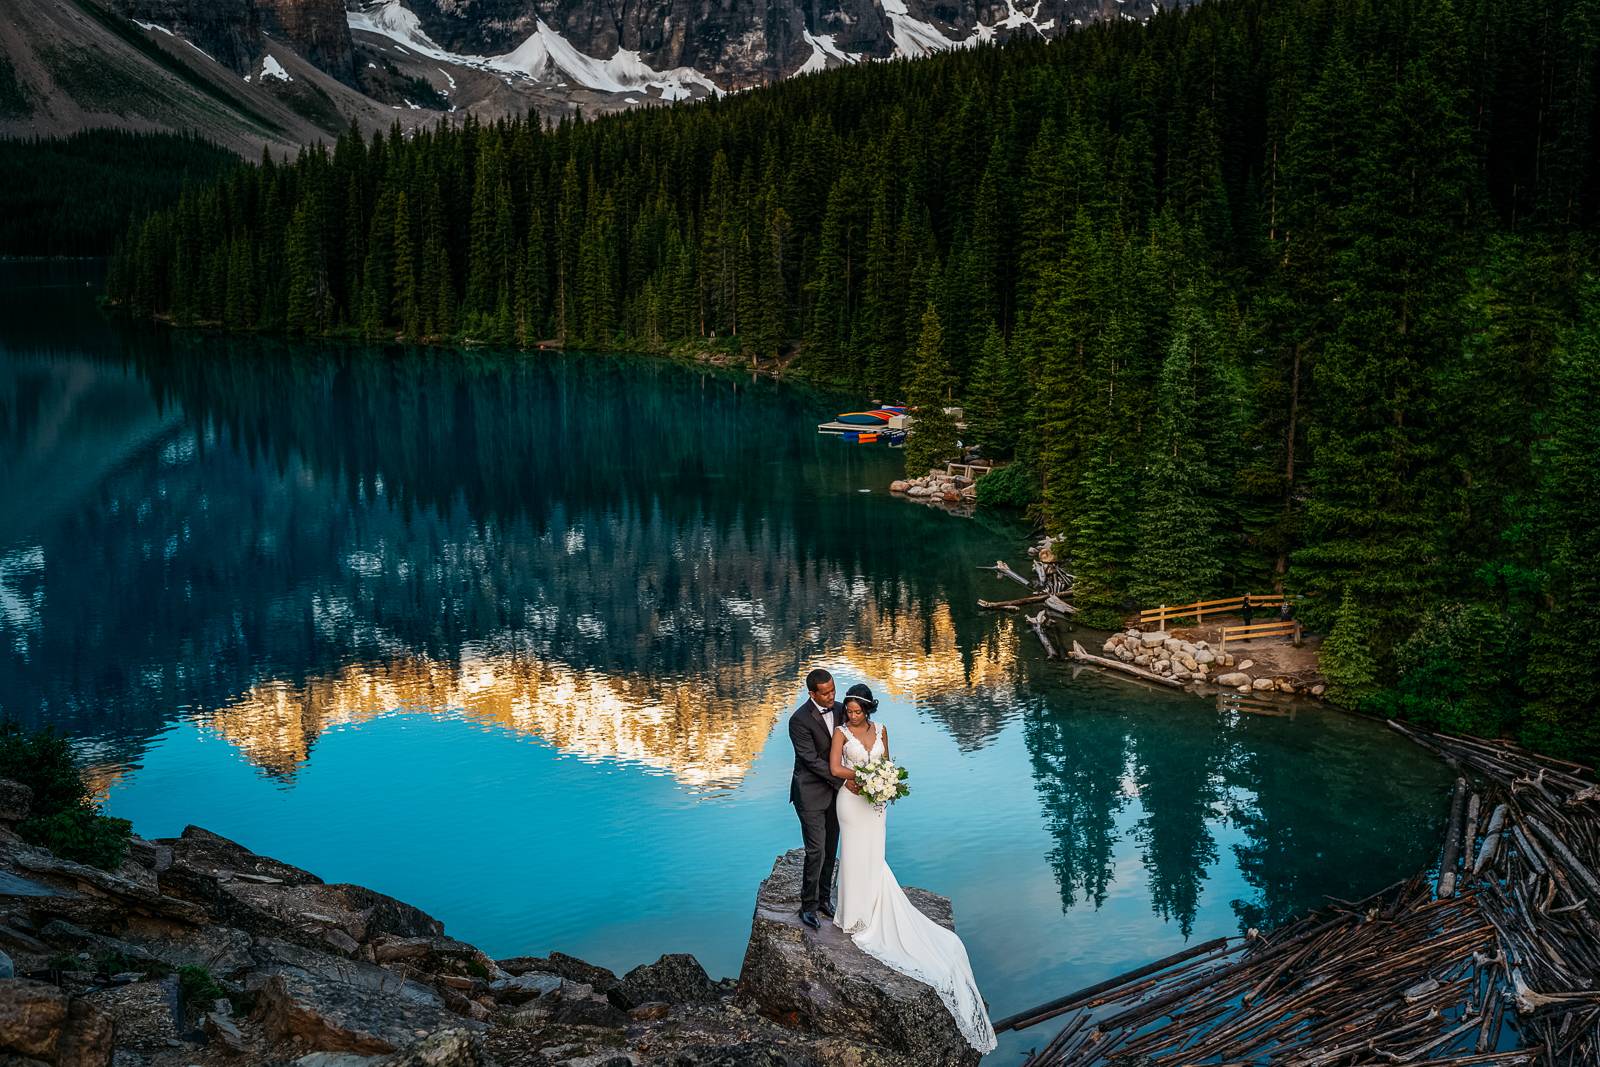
(819, 982)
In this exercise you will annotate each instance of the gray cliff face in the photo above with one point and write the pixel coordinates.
(738, 42)
(318, 29)
(228, 30)
(231, 31)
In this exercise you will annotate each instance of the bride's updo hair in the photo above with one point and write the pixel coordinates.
(862, 697)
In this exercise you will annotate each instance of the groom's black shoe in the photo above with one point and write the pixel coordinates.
(810, 919)
(826, 907)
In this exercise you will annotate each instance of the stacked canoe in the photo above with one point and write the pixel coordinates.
(866, 427)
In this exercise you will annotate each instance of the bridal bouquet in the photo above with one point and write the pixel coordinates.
(882, 782)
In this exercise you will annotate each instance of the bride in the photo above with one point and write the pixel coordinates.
(872, 908)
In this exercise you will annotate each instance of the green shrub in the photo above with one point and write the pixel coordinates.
(82, 835)
(112, 962)
(62, 816)
(196, 985)
(1460, 671)
(1012, 486)
(1098, 618)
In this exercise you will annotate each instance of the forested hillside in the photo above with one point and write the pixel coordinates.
(1264, 291)
(74, 196)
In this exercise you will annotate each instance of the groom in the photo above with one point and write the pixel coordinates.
(813, 790)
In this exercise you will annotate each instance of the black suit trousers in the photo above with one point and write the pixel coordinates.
(820, 830)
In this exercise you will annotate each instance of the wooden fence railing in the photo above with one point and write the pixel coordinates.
(970, 471)
(1261, 629)
(1201, 608)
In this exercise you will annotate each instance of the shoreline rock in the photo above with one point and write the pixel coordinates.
(939, 489)
(289, 969)
(1197, 663)
(820, 982)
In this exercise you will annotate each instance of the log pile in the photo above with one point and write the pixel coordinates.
(1534, 865)
(1495, 959)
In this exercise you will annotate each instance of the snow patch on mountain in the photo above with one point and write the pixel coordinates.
(544, 56)
(913, 37)
(271, 68)
(823, 48)
(546, 51)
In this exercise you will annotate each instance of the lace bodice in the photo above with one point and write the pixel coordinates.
(855, 753)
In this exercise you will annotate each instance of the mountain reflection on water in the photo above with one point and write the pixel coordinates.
(511, 637)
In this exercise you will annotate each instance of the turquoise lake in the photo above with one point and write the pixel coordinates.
(511, 637)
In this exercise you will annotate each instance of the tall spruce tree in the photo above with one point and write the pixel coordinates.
(932, 439)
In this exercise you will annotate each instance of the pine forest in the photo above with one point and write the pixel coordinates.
(1298, 294)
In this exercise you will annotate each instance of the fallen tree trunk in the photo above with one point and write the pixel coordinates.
(1125, 668)
(1037, 622)
(1004, 571)
(1007, 605)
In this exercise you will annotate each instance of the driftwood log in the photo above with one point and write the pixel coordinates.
(1038, 624)
(1012, 605)
(1001, 568)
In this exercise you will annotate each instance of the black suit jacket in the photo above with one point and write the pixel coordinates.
(813, 787)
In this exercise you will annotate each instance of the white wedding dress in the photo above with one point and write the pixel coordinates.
(875, 912)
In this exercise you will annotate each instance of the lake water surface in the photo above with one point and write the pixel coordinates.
(512, 637)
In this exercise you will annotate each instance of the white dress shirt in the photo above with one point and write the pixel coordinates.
(827, 717)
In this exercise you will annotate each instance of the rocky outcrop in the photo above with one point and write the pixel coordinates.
(239, 889)
(820, 982)
(341, 976)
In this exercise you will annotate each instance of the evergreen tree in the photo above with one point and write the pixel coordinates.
(1180, 550)
(932, 439)
(998, 397)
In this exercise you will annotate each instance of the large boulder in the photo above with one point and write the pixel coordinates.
(38, 1022)
(676, 978)
(32, 1016)
(88, 1038)
(447, 1048)
(204, 852)
(1235, 679)
(321, 1015)
(564, 966)
(819, 982)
